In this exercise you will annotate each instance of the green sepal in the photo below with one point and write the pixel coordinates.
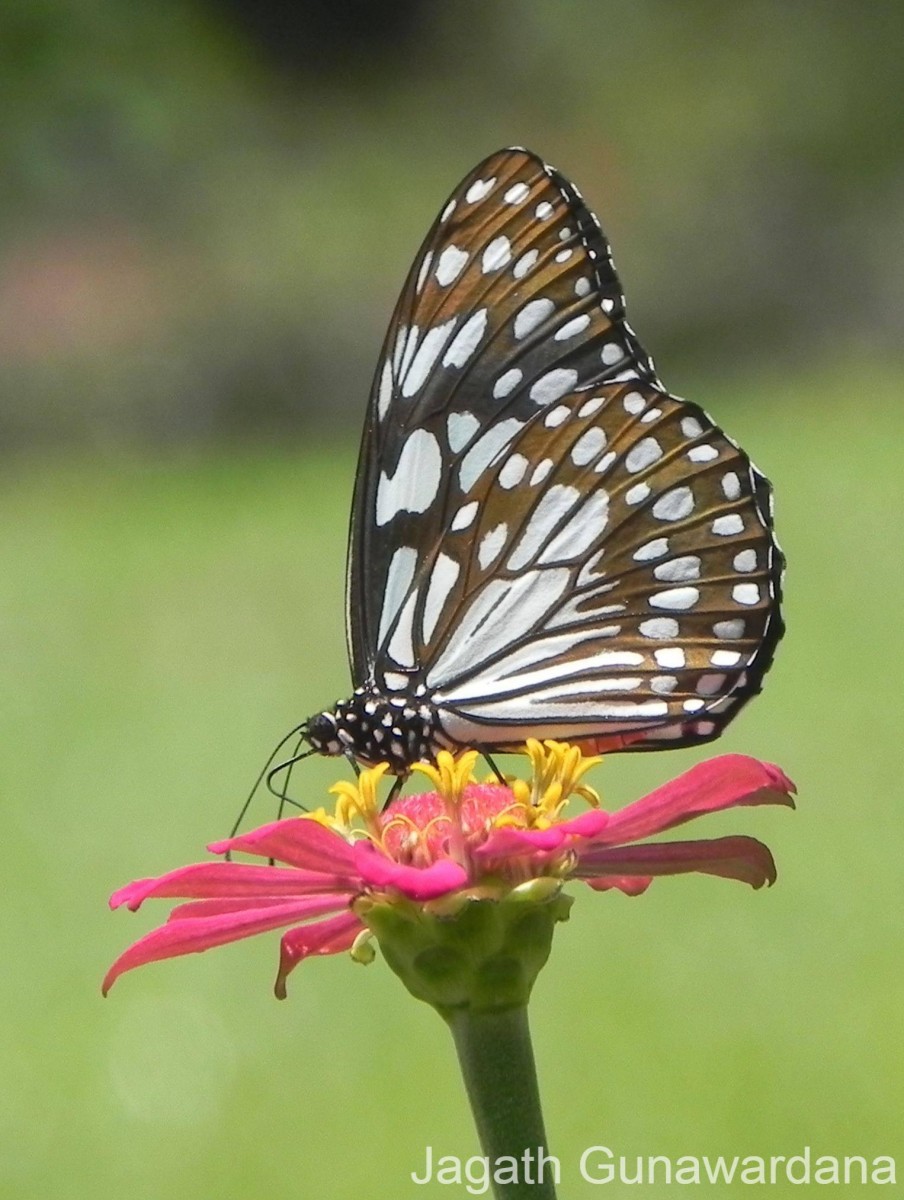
(476, 954)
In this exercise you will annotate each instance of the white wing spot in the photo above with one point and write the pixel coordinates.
(662, 629)
(592, 568)
(491, 544)
(401, 644)
(588, 446)
(582, 286)
(663, 684)
(605, 462)
(674, 505)
(654, 549)
(678, 570)
(725, 658)
(691, 427)
(466, 340)
(398, 579)
(729, 631)
(692, 706)
(532, 315)
(479, 190)
(506, 383)
(677, 599)
(572, 328)
(746, 593)
(425, 358)
(442, 580)
(704, 453)
(413, 486)
(557, 416)
(564, 233)
(670, 657)
(553, 385)
(637, 494)
(745, 560)
(399, 346)
(564, 255)
(448, 210)
(516, 193)
(552, 507)
(652, 415)
(524, 263)
(731, 486)
(589, 407)
(612, 353)
(486, 449)
(422, 273)
(543, 210)
(727, 525)
(460, 428)
(496, 255)
(607, 305)
(541, 470)
(513, 471)
(580, 531)
(384, 395)
(634, 403)
(644, 454)
(465, 515)
(450, 265)
(407, 350)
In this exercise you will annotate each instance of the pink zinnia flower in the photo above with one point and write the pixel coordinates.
(438, 850)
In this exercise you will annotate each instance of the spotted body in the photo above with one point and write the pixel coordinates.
(544, 542)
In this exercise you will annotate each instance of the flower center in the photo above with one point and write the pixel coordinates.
(421, 829)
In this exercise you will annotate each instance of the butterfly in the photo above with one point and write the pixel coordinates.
(544, 542)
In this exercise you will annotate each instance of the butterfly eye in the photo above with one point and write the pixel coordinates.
(544, 541)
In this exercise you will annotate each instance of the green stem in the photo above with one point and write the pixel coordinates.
(497, 1064)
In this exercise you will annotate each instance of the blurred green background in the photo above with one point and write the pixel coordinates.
(207, 210)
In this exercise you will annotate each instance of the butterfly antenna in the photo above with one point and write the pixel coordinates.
(281, 789)
(297, 731)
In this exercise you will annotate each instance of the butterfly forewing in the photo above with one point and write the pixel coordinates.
(544, 542)
(511, 301)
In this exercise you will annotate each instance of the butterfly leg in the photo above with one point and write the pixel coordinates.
(353, 762)
(495, 770)
(394, 790)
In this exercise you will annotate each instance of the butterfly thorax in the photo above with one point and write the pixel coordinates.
(372, 728)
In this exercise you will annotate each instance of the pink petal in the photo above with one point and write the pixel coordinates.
(326, 937)
(725, 782)
(742, 858)
(509, 841)
(418, 883)
(214, 908)
(210, 879)
(192, 935)
(296, 841)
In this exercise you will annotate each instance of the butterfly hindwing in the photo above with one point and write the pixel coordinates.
(615, 574)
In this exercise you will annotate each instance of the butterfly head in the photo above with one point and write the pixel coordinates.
(371, 728)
